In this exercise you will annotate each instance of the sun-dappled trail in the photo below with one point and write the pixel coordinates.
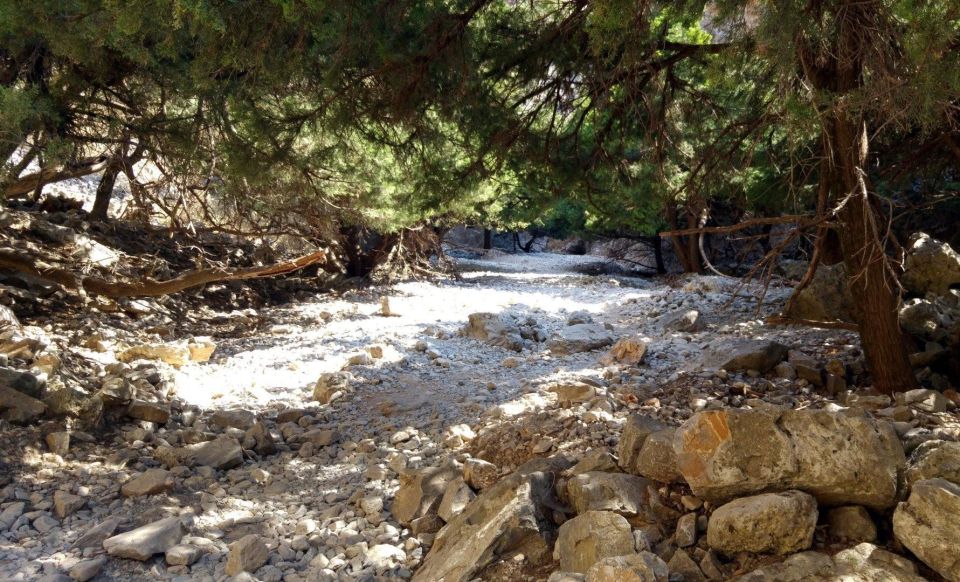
(301, 428)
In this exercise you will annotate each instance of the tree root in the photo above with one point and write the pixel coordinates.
(406, 255)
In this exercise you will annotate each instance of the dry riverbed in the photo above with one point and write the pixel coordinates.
(296, 481)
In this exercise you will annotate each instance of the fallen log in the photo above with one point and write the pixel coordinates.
(31, 182)
(147, 287)
(784, 320)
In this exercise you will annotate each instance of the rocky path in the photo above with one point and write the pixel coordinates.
(282, 457)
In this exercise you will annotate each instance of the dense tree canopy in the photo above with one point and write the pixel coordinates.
(311, 117)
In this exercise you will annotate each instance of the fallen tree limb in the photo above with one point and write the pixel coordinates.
(782, 320)
(31, 182)
(18, 261)
(804, 220)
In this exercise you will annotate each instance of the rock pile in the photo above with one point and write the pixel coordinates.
(693, 502)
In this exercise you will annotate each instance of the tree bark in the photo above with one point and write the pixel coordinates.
(693, 245)
(690, 262)
(101, 203)
(7, 149)
(19, 167)
(30, 183)
(658, 255)
(871, 278)
(487, 239)
(872, 282)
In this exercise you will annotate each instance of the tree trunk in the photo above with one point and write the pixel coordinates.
(693, 245)
(688, 256)
(487, 239)
(101, 203)
(835, 74)
(872, 282)
(7, 149)
(19, 167)
(658, 255)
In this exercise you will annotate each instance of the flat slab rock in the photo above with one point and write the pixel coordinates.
(514, 514)
(146, 541)
(220, 453)
(740, 355)
(149, 482)
(582, 337)
(839, 459)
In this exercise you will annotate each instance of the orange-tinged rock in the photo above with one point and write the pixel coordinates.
(836, 457)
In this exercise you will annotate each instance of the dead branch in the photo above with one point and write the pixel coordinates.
(783, 320)
(32, 182)
(147, 287)
(802, 220)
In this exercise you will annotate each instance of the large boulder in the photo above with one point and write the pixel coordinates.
(862, 563)
(935, 459)
(422, 491)
(778, 523)
(740, 355)
(220, 453)
(838, 458)
(582, 337)
(928, 523)
(588, 538)
(920, 317)
(494, 330)
(930, 266)
(599, 491)
(826, 298)
(513, 515)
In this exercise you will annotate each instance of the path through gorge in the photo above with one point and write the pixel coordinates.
(309, 417)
